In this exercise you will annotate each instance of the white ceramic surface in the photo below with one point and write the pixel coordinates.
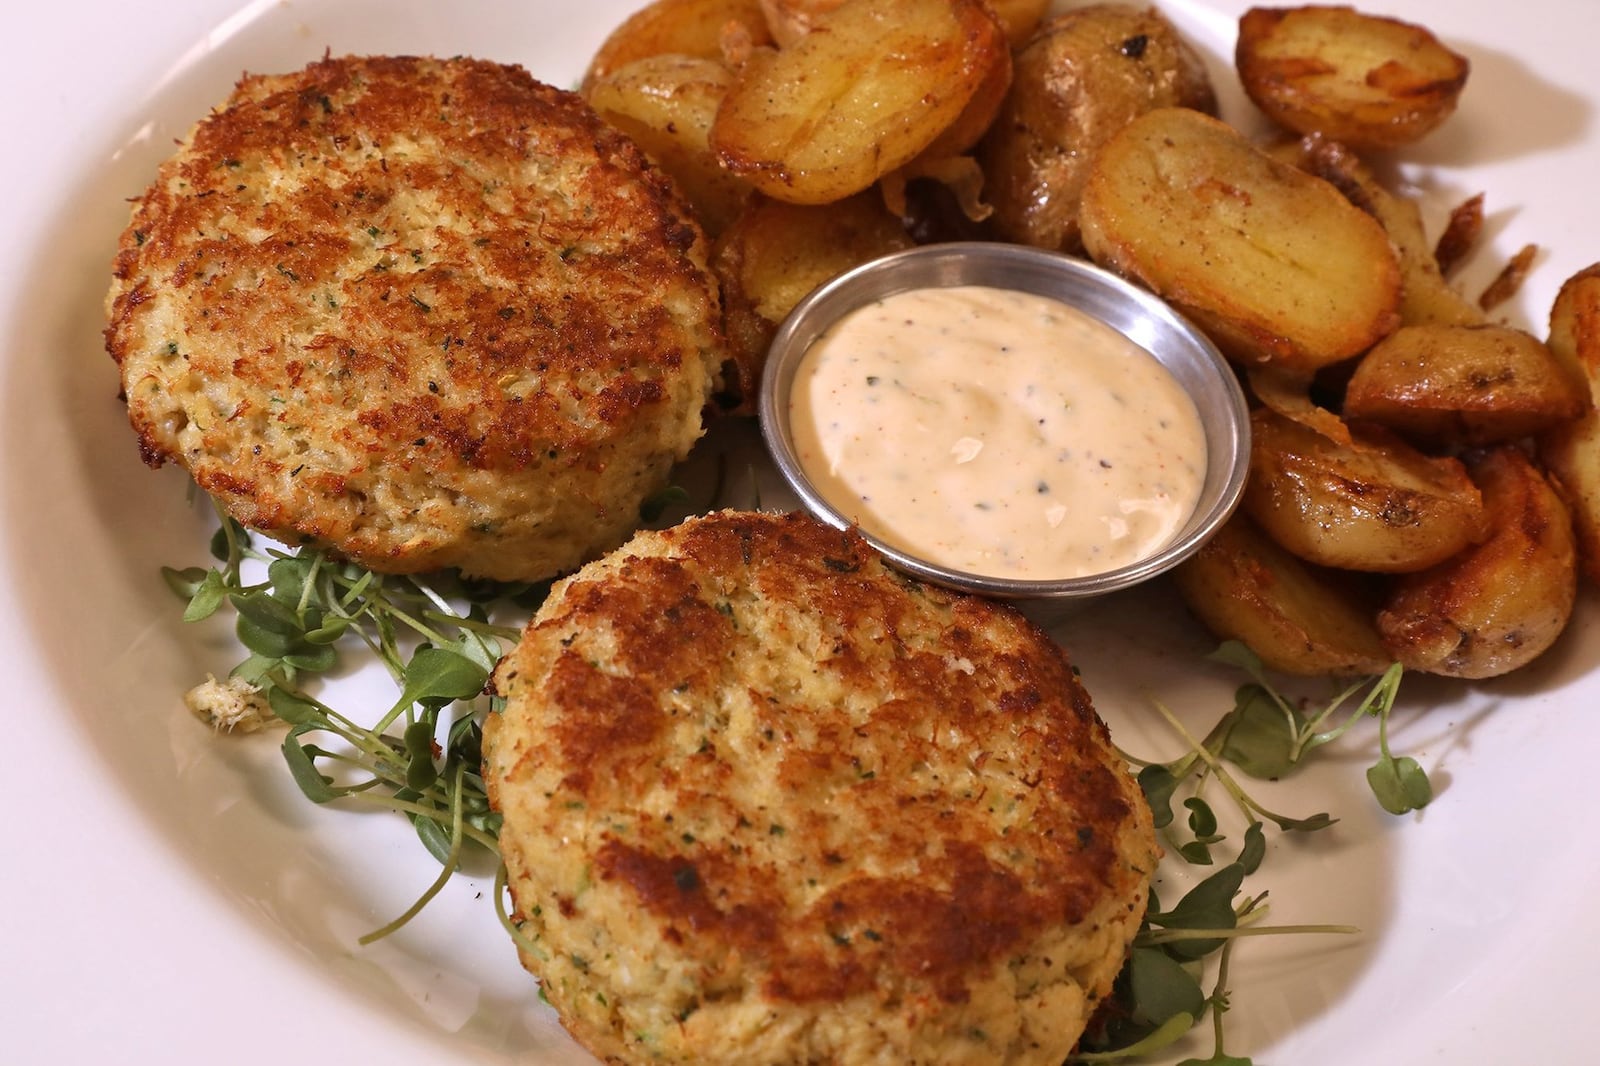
(168, 897)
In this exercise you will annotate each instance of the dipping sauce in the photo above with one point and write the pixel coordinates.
(997, 432)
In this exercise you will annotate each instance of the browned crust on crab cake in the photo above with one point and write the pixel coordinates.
(426, 313)
(766, 800)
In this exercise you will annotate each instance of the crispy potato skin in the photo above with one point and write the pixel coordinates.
(1464, 385)
(1300, 619)
(1273, 263)
(1374, 504)
(666, 104)
(1499, 604)
(1571, 453)
(695, 28)
(868, 89)
(1365, 80)
(774, 254)
(1082, 76)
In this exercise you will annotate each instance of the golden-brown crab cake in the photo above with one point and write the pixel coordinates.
(768, 801)
(427, 313)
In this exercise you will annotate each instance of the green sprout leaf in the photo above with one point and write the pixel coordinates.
(1257, 737)
(1206, 906)
(1161, 987)
(303, 767)
(1159, 785)
(295, 626)
(656, 504)
(1400, 784)
(442, 674)
(1254, 850)
(295, 709)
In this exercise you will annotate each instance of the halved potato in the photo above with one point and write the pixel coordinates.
(1365, 80)
(1571, 453)
(1298, 618)
(1499, 605)
(1020, 18)
(791, 20)
(1272, 262)
(829, 115)
(1425, 295)
(667, 103)
(1084, 75)
(976, 118)
(696, 28)
(774, 254)
(1374, 504)
(1464, 385)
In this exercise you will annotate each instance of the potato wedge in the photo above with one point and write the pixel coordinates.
(1464, 385)
(1571, 453)
(1298, 618)
(1375, 504)
(678, 27)
(1272, 262)
(774, 254)
(1365, 80)
(829, 115)
(1425, 295)
(1084, 75)
(1499, 605)
(667, 103)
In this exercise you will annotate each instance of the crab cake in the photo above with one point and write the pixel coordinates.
(768, 801)
(425, 313)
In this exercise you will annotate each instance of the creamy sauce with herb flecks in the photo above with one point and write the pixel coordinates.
(997, 432)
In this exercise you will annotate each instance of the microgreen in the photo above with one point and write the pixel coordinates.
(1160, 996)
(422, 756)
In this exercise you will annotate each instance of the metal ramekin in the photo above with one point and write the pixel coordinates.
(1185, 352)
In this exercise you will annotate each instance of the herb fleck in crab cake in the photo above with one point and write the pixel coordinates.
(768, 801)
(425, 313)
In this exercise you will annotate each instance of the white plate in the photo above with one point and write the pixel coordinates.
(167, 896)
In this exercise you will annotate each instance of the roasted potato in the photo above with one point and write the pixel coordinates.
(976, 118)
(1365, 80)
(1571, 453)
(1298, 618)
(829, 115)
(774, 254)
(1460, 234)
(1084, 75)
(1497, 605)
(698, 28)
(1464, 385)
(1375, 504)
(1272, 262)
(1019, 18)
(1425, 295)
(667, 103)
(790, 20)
